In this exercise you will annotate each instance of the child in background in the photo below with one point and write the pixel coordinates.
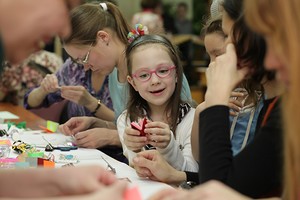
(245, 102)
(148, 17)
(214, 38)
(17, 79)
(155, 77)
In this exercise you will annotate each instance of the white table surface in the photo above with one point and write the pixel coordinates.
(92, 156)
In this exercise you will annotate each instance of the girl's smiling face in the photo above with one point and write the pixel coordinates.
(156, 91)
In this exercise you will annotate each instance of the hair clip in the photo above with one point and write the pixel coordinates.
(139, 30)
(103, 6)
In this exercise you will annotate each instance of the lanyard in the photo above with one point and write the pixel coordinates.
(270, 108)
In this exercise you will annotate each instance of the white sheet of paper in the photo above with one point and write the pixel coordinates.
(8, 115)
(36, 138)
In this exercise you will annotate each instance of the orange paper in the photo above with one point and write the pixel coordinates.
(49, 164)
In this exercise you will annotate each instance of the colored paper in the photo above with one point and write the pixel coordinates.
(52, 126)
(8, 115)
(2, 142)
(22, 164)
(132, 194)
(39, 154)
(140, 126)
(49, 164)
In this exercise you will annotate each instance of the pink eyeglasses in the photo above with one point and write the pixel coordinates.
(145, 74)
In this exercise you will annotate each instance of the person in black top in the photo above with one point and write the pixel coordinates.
(279, 23)
(256, 170)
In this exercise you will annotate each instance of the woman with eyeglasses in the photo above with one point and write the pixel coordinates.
(99, 39)
(155, 76)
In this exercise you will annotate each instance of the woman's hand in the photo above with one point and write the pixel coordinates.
(76, 124)
(223, 76)
(49, 84)
(158, 134)
(79, 95)
(97, 138)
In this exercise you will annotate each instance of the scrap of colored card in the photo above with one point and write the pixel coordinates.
(32, 161)
(40, 161)
(132, 194)
(49, 164)
(8, 115)
(22, 164)
(7, 142)
(52, 126)
(37, 154)
(140, 126)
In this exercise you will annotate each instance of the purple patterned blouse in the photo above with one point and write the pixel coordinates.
(72, 73)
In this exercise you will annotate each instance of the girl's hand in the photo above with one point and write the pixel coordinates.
(158, 134)
(235, 104)
(133, 140)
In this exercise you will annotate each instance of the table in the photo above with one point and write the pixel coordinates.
(92, 157)
(84, 155)
(32, 120)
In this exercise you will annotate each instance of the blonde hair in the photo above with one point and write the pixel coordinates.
(280, 22)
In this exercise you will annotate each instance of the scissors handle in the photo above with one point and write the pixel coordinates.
(66, 148)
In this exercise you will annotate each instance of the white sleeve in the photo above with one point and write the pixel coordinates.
(179, 151)
(122, 123)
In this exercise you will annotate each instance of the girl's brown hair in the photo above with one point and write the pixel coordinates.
(88, 19)
(136, 103)
(280, 22)
(212, 25)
